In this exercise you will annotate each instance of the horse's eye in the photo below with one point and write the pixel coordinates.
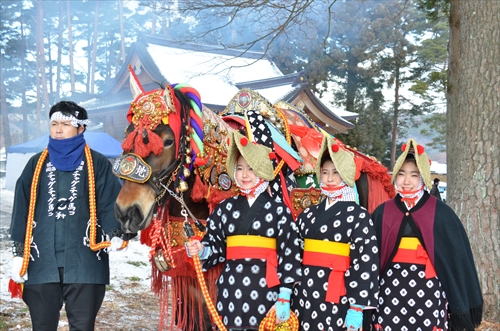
(168, 142)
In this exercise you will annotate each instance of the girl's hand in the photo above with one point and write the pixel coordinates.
(354, 318)
(193, 247)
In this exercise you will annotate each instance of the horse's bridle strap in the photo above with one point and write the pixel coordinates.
(132, 167)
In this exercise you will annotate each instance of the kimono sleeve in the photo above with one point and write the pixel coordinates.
(361, 279)
(215, 239)
(288, 248)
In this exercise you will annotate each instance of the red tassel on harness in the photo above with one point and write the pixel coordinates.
(15, 289)
(146, 235)
(200, 189)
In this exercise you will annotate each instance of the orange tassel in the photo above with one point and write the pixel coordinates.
(15, 289)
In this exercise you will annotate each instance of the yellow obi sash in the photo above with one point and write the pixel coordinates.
(410, 250)
(255, 247)
(333, 255)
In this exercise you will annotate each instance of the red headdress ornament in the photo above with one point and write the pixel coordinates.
(146, 112)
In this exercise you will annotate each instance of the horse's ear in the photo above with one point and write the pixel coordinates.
(135, 85)
(129, 129)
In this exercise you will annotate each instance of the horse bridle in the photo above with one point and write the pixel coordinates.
(132, 167)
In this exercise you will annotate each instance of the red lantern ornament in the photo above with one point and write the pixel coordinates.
(243, 141)
(430, 162)
(420, 149)
(335, 148)
(403, 148)
(272, 156)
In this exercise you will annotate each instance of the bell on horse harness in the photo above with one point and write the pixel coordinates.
(162, 263)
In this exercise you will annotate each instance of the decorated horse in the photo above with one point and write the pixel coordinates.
(160, 195)
(174, 174)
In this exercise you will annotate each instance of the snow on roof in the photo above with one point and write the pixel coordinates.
(213, 75)
(343, 113)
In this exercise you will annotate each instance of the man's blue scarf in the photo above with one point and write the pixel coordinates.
(66, 154)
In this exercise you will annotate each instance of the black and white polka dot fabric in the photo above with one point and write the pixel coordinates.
(243, 298)
(349, 223)
(410, 302)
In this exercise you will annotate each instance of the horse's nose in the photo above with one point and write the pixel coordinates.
(130, 218)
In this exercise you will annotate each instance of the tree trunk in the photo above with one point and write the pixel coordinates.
(24, 102)
(38, 99)
(153, 23)
(59, 50)
(41, 62)
(396, 116)
(165, 17)
(351, 85)
(122, 36)
(5, 115)
(48, 67)
(94, 49)
(70, 45)
(473, 136)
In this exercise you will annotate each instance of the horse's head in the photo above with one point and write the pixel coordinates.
(159, 151)
(143, 182)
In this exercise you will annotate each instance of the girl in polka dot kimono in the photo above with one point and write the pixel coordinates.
(428, 278)
(340, 253)
(255, 237)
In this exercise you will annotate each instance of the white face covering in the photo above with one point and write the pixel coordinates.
(411, 199)
(58, 116)
(343, 192)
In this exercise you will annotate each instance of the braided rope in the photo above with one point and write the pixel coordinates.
(208, 300)
(161, 237)
(31, 211)
(92, 208)
(195, 115)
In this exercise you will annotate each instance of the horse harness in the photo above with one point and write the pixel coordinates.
(133, 168)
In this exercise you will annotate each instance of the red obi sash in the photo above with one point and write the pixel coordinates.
(411, 251)
(333, 255)
(255, 247)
